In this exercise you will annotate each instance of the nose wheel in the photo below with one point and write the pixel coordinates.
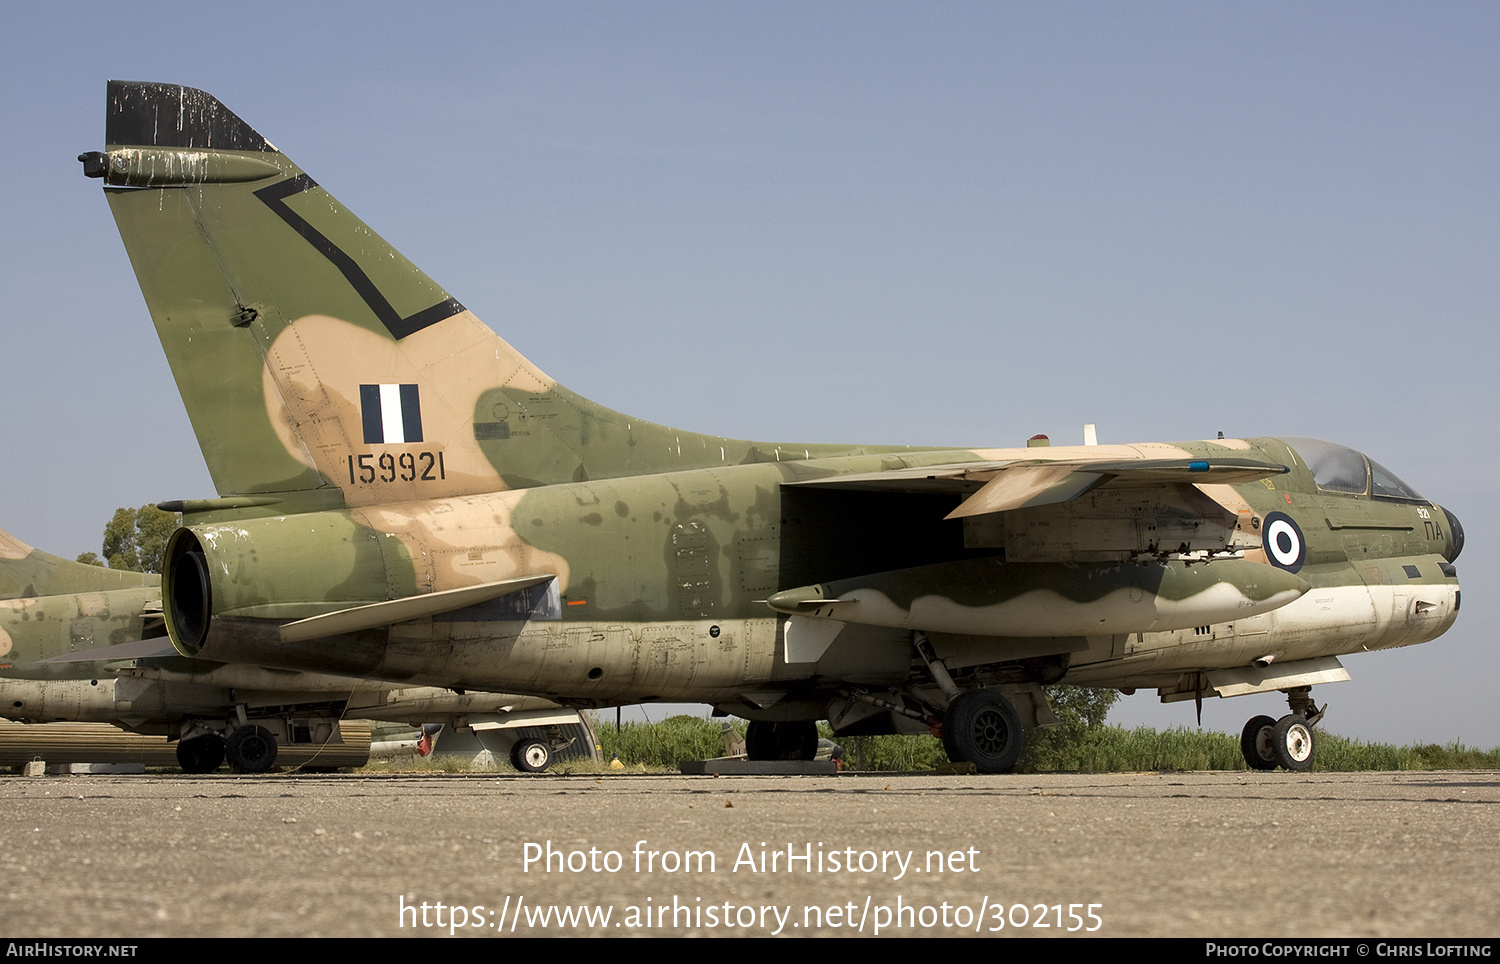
(1258, 743)
(1289, 742)
(1292, 741)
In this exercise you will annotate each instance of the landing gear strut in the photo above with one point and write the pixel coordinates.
(1287, 742)
(980, 726)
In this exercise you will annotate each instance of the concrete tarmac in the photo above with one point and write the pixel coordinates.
(1147, 854)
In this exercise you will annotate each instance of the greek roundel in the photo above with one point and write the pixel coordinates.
(1283, 542)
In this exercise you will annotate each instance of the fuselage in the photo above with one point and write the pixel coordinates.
(662, 580)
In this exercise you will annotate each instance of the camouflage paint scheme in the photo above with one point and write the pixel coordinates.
(50, 606)
(392, 468)
(104, 621)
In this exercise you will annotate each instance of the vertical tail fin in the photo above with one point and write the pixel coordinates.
(273, 303)
(316, 362)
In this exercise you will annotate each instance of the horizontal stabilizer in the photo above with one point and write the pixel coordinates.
(26, 573)
(136, 649)
(400, 610)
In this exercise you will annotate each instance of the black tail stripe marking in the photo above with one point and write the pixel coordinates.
(274, 197)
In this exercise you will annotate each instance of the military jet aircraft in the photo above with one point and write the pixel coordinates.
(86, 644)
(403, 496)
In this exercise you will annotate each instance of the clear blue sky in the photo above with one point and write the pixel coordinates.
(934, 223)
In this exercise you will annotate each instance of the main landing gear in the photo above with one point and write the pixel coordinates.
(982, 727)
(791, 740)
(534, 752)
(1287, 742)
(530, 756)
(251, 749)
(248, 749)
(201, 754)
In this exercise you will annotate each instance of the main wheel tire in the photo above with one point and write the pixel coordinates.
(760, 741)
(981, 727)
(251, 749)
(1257, 743)
(201, 754)
(530, 756)
(792, 740)
(1294, 743)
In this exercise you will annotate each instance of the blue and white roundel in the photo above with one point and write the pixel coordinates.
(1283, 542)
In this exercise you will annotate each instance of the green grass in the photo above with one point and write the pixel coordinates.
(1073, 748)
(1114, 749)
(431, 764)
(1342, 753)
(665, 744)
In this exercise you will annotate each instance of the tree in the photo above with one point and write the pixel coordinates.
(1081, 712)
(137, 538)
(1081, 708)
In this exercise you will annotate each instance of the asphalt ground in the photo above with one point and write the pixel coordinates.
(1249, 855)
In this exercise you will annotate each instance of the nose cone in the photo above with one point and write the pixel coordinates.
(1455, 536)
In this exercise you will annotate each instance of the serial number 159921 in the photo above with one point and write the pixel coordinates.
(390, 466)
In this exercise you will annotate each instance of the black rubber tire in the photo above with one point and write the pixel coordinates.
(531, 756)
(1256, 743)
(791, 740)
(251, 749)
(1294, 742)
(981, 727)
(201, 754)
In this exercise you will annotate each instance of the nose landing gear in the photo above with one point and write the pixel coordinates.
(1288, 742)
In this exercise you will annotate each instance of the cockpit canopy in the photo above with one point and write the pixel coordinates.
(1338, 468)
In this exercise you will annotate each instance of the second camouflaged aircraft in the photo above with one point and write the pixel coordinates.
(85, 644)
(403, 496)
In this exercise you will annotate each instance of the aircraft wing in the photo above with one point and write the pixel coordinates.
(1016, 484)
(1159, 556)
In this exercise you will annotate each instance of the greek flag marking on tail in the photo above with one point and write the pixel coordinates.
(391, 414)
